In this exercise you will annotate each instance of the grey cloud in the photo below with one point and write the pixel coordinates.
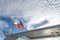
(26, 8)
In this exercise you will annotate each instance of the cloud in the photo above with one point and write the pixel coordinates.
(23, 38)
(15, 8)
(26, 9)
(40, 24)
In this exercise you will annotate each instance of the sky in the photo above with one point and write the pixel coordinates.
(32, 13)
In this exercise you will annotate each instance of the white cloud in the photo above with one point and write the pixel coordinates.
(23, 38)
(26, 8)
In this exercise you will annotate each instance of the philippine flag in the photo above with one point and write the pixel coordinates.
(18, 23)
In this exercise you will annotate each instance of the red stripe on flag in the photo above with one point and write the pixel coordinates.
(19, 25)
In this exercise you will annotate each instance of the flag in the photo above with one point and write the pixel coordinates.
(18, 23)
